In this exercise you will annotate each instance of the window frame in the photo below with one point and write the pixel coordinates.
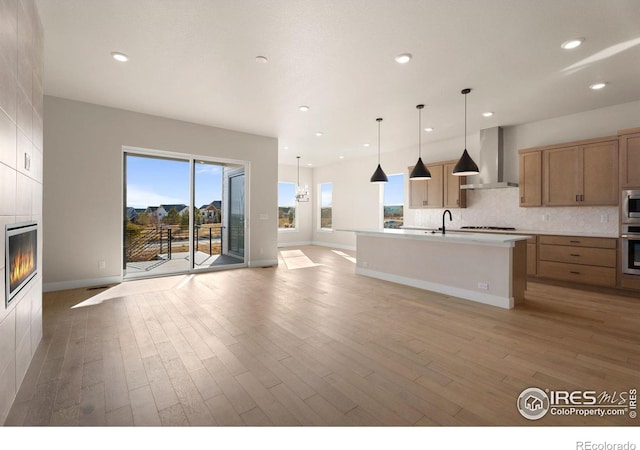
(295, 208)
(320, 206)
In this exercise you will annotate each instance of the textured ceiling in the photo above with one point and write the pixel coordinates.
(194, 60)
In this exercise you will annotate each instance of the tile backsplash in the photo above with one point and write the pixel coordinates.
(500, 207)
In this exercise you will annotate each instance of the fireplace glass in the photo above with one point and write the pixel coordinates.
(20, 257)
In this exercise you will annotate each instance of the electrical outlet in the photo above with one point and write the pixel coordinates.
(604, 218)
(546, 217)
(483, 286)
(365, 264)
(102, 264)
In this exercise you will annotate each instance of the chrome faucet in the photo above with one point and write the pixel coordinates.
(450, 219)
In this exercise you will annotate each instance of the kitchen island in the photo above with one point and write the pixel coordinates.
(485, 268)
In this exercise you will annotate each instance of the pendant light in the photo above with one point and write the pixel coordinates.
(379, 176)
(420, 171)
(302, 195)
(465, 165)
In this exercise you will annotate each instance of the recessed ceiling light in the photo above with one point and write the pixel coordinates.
(119, 56)
(572, 43)
(261, 59)
(366, 145)
(309, 164)
(341, 157)
(304, 108)
(286, 148)
(428, 129)
(597, 86)
(487, 114)
(403, 58)
(318, 133)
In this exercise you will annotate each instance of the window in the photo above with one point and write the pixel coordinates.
(326, 201)
(286, 206)
(393, 203)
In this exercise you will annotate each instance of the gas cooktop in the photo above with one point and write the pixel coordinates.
(488, 228)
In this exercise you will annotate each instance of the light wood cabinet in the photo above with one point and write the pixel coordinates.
(629, 158)
(585, 174)
(454, 197)
(530, 184)
(442, 190)
(532, 256)
(582, 260)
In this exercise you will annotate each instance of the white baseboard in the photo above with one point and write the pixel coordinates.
(294, 244)
(75, 284)
(263, 263)
(330, 245)
(487, 299)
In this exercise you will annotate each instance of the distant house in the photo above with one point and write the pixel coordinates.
(133, 213)
(180, 208)
(211, 213)
(152, 212)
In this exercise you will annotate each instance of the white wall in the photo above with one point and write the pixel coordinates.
(83, 184)
(357, 202)
(21, 70)
(303, 234)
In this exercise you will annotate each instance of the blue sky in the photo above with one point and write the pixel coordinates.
(394, 190)
(155, 181)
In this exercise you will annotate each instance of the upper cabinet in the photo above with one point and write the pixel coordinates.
(442, 190)
(530, 178)
(454, 197)
(629, 158)
(583, 173)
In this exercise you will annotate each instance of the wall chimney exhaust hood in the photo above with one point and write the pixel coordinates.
(491, 162)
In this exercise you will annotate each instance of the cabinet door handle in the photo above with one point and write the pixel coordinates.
(575, 242)
(577, 198)
(574, 254)
(575, 273)
(425, 202)
(521, 199)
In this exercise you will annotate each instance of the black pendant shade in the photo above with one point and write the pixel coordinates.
(379, 176)
(420, 171)
(466, 165)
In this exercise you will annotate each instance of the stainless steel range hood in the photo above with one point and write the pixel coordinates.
(491, 162)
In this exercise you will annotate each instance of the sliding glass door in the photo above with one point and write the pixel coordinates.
(235, 183)
(177, 213)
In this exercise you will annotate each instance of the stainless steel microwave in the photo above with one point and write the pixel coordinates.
(631, 206)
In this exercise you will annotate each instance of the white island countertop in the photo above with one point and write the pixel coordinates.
(450, 237)
(612, 235)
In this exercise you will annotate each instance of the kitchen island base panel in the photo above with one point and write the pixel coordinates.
(493, 275)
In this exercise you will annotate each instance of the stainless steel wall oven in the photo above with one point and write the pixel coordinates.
(631, 249)
(630, 206)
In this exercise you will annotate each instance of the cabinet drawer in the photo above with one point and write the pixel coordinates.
(576, 241)
(599, 276)
(604, 257)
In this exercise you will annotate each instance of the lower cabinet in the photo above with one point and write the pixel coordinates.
(582, 260)
(532, 256)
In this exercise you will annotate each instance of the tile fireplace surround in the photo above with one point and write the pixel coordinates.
(21, 125)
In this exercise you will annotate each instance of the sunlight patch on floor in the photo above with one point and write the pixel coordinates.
(345, 256)
(296, 259)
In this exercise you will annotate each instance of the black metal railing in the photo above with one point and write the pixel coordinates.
(150, 244)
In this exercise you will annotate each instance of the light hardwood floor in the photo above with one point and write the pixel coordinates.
(318, 346)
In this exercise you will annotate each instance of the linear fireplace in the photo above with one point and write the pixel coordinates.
(20, 257)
